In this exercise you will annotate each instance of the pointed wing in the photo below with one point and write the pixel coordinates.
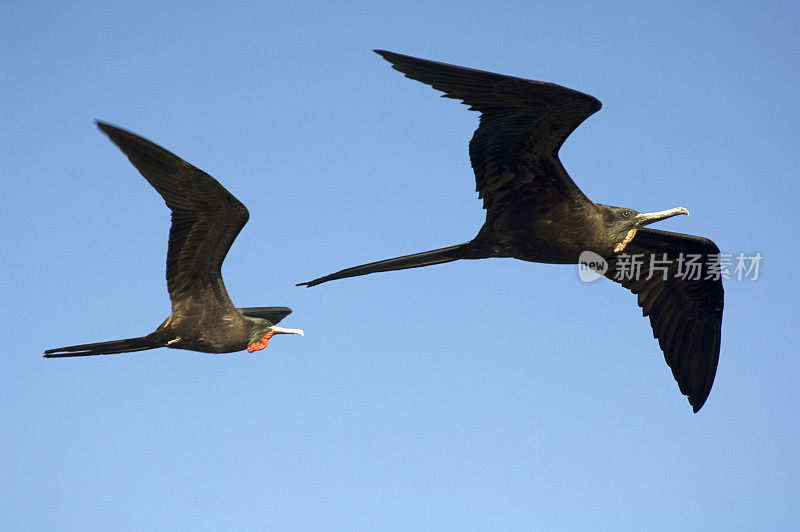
(273, 314)
(677, 288)
(205, 217)
(514, 151)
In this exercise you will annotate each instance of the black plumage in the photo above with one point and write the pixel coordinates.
(535, 212)
(206, 219)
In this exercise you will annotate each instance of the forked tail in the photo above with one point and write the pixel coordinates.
(103, 348)
(426, 258)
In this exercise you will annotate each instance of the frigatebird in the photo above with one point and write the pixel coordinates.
(206, 219)
(535, 212)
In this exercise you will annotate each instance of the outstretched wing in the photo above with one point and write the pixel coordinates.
(676, 278)
(206, 218)
(514, 151)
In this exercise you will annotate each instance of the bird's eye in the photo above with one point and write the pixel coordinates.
(626, 214)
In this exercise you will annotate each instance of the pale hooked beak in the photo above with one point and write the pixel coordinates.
(284, 330)
(646, 218)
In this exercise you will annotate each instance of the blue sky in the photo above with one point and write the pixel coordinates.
(485, 395)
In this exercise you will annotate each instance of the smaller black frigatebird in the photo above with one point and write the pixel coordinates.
(535, 212)
(206, 219)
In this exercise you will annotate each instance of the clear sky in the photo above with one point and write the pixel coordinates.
(476, 395)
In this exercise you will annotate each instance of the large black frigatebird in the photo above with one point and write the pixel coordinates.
(535, 212)
(206, 219)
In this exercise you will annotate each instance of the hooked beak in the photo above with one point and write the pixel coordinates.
(283, 330)
(646, 218)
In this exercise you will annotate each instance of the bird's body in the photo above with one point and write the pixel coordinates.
(206, 219)
(536, 213)
(555, 235)
(222, 332)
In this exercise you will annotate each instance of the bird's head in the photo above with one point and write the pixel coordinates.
(263, 330)
(622, 223)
